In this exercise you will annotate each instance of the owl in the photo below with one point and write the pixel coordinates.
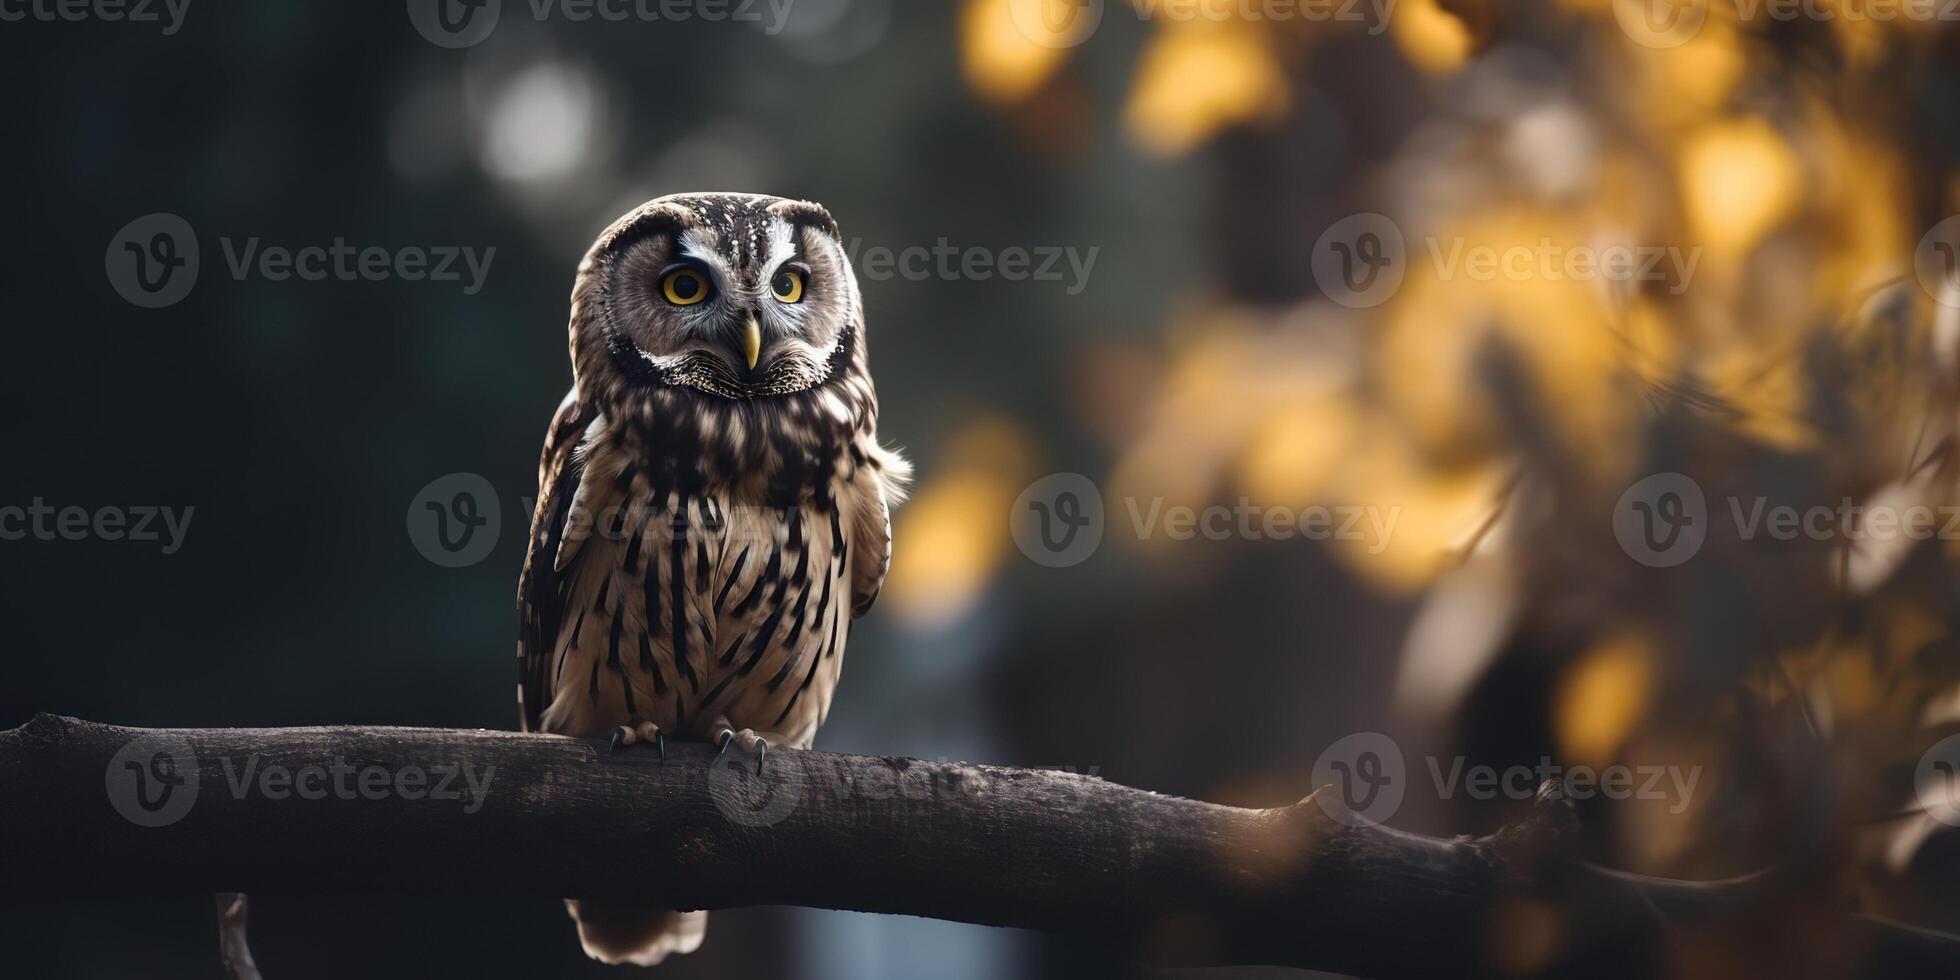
(713, 506)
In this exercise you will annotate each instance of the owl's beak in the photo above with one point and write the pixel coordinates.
(752, 341)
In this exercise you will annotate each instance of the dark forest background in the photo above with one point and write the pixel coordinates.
(1199, 362)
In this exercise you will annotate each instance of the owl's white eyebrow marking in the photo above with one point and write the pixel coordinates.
(704, 253)
(782, 248)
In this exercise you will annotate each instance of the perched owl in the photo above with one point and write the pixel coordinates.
(713, 501)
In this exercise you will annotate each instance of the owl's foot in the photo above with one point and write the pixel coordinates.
(629, 735)
(747, 740)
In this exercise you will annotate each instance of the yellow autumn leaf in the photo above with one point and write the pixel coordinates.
(1601, 696)
(1008, 48)
(1502, 278)
(1199, 77)
(1433, 39)
(1673, 89)
(953, 534)
(1739, 181)
(1296, 447)
(1416, 521)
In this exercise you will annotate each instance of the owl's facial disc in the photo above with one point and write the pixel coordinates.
(733, 296)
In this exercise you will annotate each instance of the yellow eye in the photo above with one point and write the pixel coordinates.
(684, 286)
(788, 286)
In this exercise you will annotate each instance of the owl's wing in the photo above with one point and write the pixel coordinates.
(879, 487)
(541, 590)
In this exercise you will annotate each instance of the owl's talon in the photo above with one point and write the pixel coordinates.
(626, 736)
(751, 742)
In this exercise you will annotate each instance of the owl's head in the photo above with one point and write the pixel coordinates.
(736, 296)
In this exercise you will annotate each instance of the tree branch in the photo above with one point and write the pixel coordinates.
(198, 811)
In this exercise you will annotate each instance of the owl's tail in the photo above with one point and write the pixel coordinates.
(614, 932)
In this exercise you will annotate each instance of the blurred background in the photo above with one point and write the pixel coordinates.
(1208, 174)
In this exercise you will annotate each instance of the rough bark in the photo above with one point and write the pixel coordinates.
(1186, 882)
